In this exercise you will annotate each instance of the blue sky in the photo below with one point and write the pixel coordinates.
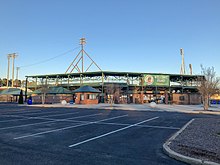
(122, 35)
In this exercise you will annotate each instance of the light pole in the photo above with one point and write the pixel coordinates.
(82, 43)
(182, 70)
(9, 57)
(13, 66)
(13, 56)
(17, 69)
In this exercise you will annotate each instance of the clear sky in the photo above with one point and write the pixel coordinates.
(122, 35)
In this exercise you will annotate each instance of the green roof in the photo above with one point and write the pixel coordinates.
(12, 91)
(85, 89)
(110, 73)
(53, 90)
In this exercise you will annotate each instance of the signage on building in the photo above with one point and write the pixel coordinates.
(156, 80)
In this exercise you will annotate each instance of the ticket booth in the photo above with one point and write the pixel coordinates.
(86, 95)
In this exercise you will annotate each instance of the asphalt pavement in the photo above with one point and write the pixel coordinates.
(65, 134)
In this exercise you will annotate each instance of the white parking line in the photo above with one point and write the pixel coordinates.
(159, 127)
(67, 119)
(112, 132)
(26, 118)
(29, 117)
(53, 121)
(21, 111)
(59, 114)
(63, 114)
(65, 128)
(144, 126)
(123, 124)
(34, 113)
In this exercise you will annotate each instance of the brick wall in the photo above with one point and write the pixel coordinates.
(86, 100)
(186, 99)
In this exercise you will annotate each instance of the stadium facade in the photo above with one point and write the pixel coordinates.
(131, 87)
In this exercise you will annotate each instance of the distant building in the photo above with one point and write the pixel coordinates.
(131, 87)
(86, 95)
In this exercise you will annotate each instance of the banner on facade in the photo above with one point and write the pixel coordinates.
(156, 80)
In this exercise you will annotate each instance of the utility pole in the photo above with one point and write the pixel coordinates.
(182, 70)
(79, 59)
(9, 57)
(82, 43)
(13, 56)
(190, 69)
(13, 66)
(17, 69)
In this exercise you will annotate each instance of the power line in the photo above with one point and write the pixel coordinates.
(49, 59)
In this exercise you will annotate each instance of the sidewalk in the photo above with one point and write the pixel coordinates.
(196, 109)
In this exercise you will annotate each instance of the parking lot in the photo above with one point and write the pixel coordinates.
(35, 135)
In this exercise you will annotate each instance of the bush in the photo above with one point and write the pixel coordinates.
(21, 100)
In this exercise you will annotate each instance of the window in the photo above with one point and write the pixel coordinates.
(181, 98)
(92, 96)
(82, 97)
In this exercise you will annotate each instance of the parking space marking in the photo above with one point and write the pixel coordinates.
(21, 111)
(29, 117)
(159, 127)
(67, 119)
(123, 124)
(112, 132)
(53, 121)
(60, 114)
(65, 128)
(26, 118)
(34, 113)
(144, 126)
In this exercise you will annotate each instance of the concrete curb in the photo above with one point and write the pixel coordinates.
(181, 157)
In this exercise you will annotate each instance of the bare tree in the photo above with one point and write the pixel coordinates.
(114, 92)
(208, 85)
(44, 89)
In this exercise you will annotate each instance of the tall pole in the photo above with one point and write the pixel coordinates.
(13, 66)
(82, 43)
(79, 59)
(182, 70)
(190, 69)
(9, 57)
(17, 69)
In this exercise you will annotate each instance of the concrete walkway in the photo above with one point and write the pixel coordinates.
(196, 109)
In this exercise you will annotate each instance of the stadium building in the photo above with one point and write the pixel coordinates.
(122, 87)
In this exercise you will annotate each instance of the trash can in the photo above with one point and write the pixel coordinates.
(29, 101)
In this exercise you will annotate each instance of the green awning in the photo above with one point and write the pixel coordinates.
(53, 90)
(12, 91)
(85, 89)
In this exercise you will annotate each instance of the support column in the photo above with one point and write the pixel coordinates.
(9, 57)
(128, 83)
(36, 84)
(68, 82)
(102, 97)
(26, 87)
(81, 79)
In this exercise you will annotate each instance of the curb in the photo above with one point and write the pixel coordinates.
(181, 157)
